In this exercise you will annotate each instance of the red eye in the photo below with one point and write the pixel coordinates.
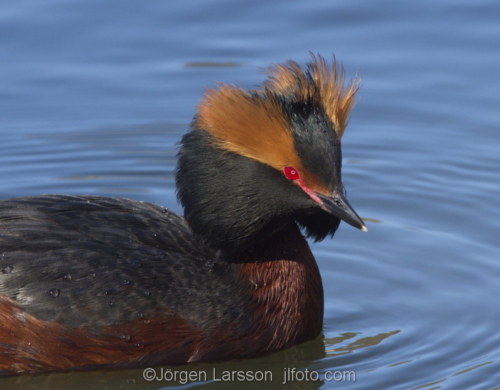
(291, 173)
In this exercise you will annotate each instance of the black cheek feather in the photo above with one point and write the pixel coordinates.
(231, 201)
(319, 225)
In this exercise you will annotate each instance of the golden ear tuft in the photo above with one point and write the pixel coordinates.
(255, 123)
(320, 81)
(252, 125)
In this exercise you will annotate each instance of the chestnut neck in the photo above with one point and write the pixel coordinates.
(282, 277)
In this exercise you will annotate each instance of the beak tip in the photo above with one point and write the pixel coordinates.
(338, 206)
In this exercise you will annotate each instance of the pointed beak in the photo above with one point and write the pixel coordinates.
(338, 206)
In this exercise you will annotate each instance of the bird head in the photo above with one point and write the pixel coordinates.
(256, 160)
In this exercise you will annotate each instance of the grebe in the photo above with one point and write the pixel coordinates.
(89, 281)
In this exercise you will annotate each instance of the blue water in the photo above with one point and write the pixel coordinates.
(95, 94)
